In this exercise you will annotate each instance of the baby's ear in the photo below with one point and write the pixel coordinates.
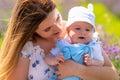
(95, 36)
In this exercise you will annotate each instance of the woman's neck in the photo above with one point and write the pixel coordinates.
(46, 45)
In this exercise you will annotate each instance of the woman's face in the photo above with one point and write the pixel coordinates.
(50, 28)
(80, 32)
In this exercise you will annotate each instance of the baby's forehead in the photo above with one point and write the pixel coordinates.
(82, 24)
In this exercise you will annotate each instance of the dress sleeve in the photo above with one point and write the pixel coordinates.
(27, 50)
(59, 44)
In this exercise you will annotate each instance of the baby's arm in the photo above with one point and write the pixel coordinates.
(54, 60)
(91, 62)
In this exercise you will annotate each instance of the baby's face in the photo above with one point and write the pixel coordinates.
(80, 32)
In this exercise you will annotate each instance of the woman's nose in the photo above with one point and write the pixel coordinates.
(57, 27)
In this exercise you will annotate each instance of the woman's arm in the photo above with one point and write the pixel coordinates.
(21, 70)
(106, 72)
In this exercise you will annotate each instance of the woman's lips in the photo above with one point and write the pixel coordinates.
(57, 33)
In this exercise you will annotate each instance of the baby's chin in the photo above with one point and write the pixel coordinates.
(81, 42)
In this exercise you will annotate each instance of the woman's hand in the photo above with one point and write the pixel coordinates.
(66, 69)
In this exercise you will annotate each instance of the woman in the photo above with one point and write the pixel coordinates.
(33, 30)
(33, 23)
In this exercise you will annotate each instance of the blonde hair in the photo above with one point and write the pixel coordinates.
(26, 17)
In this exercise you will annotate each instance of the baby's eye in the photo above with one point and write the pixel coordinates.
(77, 28)
(87, 30)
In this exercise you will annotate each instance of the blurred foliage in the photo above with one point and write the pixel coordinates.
(59, 7)
(1, 37)
(109, 21)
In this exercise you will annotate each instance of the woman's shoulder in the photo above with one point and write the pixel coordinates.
(29, 48)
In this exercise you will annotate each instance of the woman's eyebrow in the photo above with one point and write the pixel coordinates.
(58, 16)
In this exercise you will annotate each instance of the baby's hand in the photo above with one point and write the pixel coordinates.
(59, 58)
(87, 60)
(54, 60)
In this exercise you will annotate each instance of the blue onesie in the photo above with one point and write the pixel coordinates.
(76, 52)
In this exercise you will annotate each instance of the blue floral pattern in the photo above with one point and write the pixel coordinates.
(38, 68)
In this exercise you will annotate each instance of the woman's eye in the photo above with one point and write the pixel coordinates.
(47, 29)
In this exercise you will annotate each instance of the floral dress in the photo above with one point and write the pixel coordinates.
(38, 68)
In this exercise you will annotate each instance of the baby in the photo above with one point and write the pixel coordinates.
(78, 44)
